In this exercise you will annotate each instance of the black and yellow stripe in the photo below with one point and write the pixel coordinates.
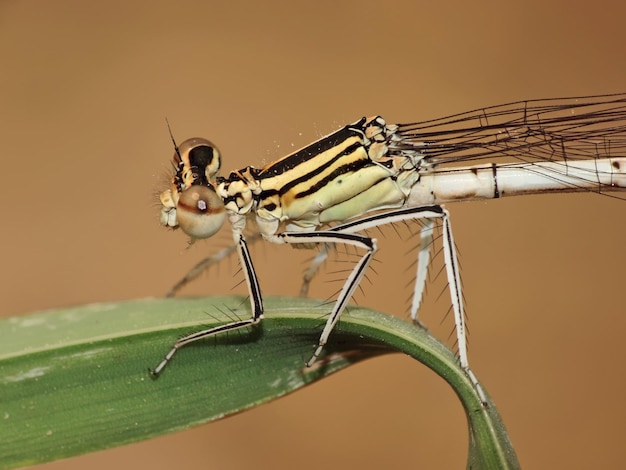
(343, 175)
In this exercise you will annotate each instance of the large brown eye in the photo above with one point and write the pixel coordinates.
(201, 157)
(200, 211)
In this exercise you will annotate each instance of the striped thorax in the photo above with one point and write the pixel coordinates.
(344, 175)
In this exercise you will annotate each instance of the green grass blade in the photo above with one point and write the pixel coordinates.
(75, 380)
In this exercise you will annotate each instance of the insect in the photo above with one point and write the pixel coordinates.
(371, 173)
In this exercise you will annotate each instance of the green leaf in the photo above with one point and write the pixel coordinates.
(75, 380)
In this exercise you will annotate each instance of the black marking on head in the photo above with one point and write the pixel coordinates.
(200, 157)
(615, 164)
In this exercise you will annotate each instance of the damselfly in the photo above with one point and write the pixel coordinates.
(371, 173)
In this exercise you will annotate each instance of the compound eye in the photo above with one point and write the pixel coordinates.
(201, 157)
(200, 211)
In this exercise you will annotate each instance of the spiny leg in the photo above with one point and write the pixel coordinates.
(311, 271)
(256, 302)
(454, 284)
(206, 263)
(428, 214)
(360, 241)
(423, 263)
(450, 257)
(456, 295)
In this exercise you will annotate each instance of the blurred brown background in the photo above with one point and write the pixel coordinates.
(84, 92)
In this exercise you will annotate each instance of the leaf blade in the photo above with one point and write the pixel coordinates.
(75, 380)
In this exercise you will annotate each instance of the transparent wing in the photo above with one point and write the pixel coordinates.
(557, 129)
